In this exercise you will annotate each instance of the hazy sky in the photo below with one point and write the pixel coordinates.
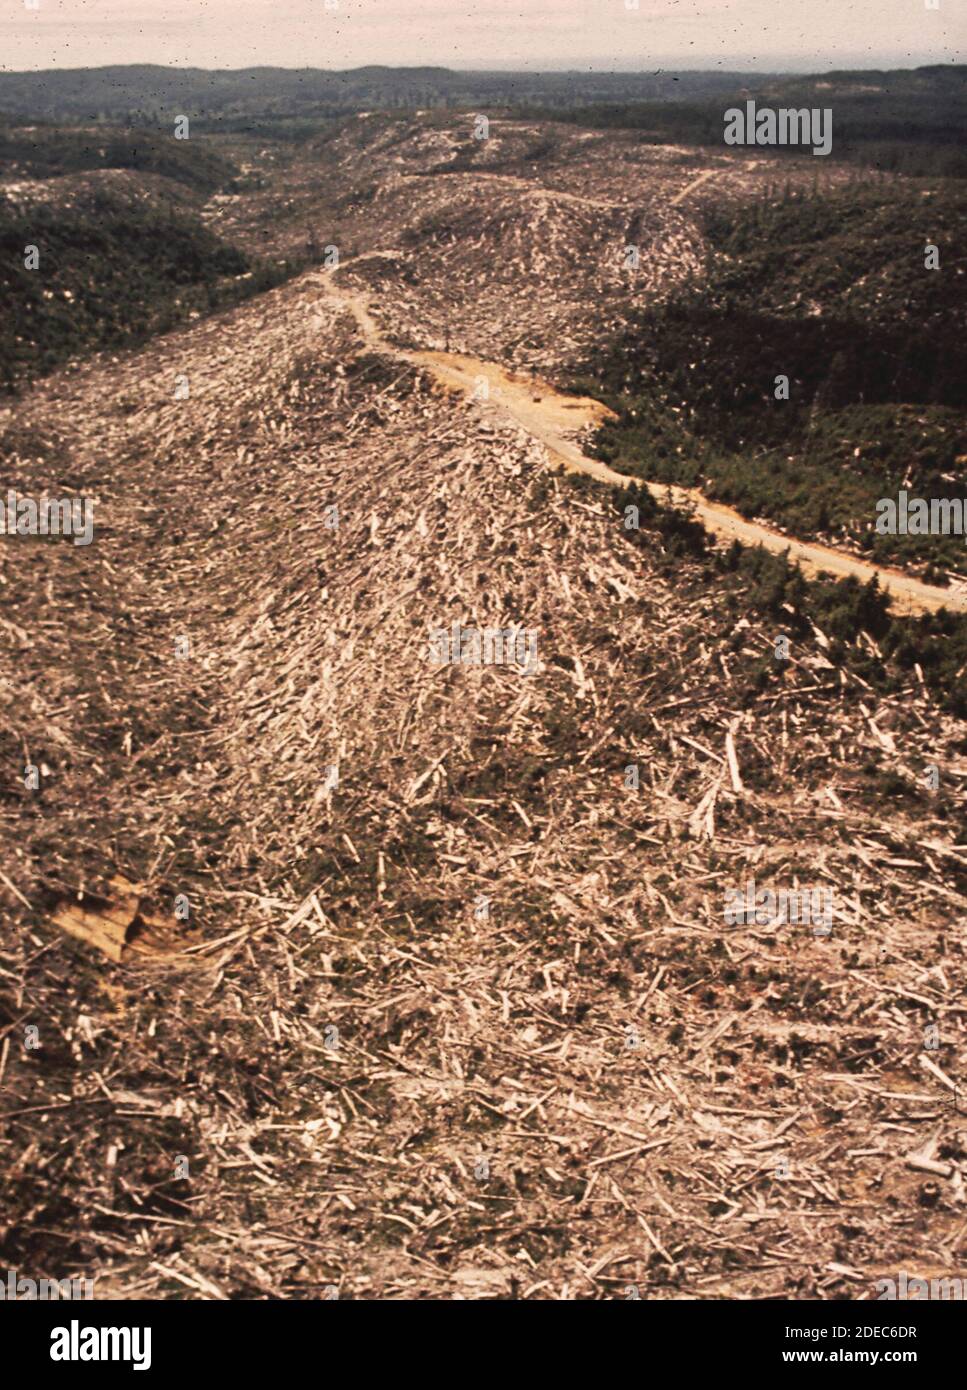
(799, 34)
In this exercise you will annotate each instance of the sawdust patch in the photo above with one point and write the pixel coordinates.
(119, 925)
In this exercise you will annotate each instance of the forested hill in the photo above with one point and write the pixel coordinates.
(128, 92)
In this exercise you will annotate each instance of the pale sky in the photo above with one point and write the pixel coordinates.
(804, 35)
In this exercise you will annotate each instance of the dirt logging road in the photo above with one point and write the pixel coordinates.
(551, 417)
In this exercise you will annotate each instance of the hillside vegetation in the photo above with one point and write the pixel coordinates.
(910, 122)
(40, 152)
(143, 93)
(832, 292)
(113, 270)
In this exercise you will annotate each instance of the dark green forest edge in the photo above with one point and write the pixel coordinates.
(118, 262)
(910, 121)
(831, 291)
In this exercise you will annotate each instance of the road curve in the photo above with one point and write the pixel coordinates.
(550, 416)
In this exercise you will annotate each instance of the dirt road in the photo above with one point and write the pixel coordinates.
(551, 416)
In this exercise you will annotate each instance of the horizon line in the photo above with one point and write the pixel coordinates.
(600, 67)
